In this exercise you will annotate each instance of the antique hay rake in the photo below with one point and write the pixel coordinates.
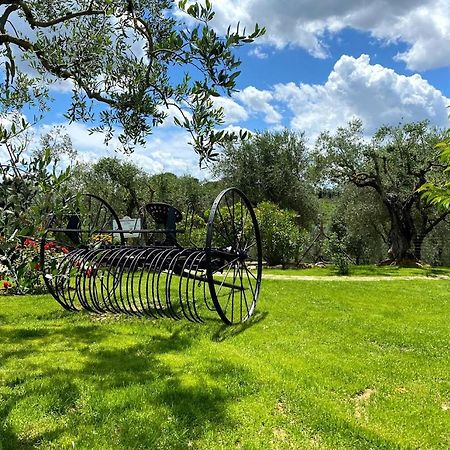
(99, 272)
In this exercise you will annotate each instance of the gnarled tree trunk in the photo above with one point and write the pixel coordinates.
(402, 232)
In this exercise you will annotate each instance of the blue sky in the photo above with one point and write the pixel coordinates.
(320, 64)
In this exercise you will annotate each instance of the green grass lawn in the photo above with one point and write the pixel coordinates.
(323, 365)
(369, 270)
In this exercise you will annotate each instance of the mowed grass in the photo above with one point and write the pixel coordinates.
(367, 270)
(323, 365)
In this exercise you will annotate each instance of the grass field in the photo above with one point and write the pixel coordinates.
(369, 270)
(323, 365)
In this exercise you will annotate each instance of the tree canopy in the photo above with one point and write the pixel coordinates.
(129, 64)
(271, 166)
(394, 164)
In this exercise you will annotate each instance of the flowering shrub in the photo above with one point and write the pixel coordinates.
(24, 273)
(30, 187)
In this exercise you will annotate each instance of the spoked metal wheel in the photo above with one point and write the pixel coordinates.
(85, 224)
(233, 256)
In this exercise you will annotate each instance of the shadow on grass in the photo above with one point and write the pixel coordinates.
(226, 331)
(122, 392)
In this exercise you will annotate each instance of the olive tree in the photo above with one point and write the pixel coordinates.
(129, 64)
(394, 163)
(272, 166)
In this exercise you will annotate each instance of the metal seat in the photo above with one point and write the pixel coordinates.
(162, 212)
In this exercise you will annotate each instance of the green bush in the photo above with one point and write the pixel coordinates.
(30, 187)
(338, 255)
(280, 234)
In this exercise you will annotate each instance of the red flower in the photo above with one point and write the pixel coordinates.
(64, 250)
(49, 245)
(30, 243)
(6, 285)
(89, 272)
(37, 266)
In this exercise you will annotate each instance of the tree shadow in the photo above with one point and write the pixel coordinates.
(228, 331)
(58, 393)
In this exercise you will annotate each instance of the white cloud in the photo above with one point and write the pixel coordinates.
(422, 24)
(165, 151)
(233, 112)
(259, 101)
(173, 112)
(355, 88)
(257, 52)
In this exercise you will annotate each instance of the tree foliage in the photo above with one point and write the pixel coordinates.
(438, 194)
(271, 166)
(361, 222)
(394, 164)
(128, 62)
(122, 184)
(30, 188)
(280, 234)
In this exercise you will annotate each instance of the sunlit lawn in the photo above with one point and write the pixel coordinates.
(332, 365)
(367, 270)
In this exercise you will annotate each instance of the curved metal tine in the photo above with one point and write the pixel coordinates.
(171, 270)
(83, 291)
(209, 306)
(53, 280)
(195, 284)
(90, 277)
(72, 292)
(100, 284)
(81, 281)
(164, 265)
(92, 283)
(150, 283)
(151, 254)
(113, 271)
(130, 283)
(63, 270)
(189, 280)
(129, 286)
(112, 281)
(98, 279)
(184, 279)
(158, 268)
(66, 278)
(121, 264)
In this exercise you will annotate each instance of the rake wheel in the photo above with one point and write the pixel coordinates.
(79, 228)
(233, 256)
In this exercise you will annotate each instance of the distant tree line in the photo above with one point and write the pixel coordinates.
(347, 191)
(348, 197)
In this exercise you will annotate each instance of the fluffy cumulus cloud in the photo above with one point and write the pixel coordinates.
(355, 88)
(166, 150)
(258, 52)
(233, 111)
(424, 25)
(259, 101)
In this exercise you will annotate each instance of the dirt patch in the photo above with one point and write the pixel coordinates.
(280, 434)
(361, 399)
